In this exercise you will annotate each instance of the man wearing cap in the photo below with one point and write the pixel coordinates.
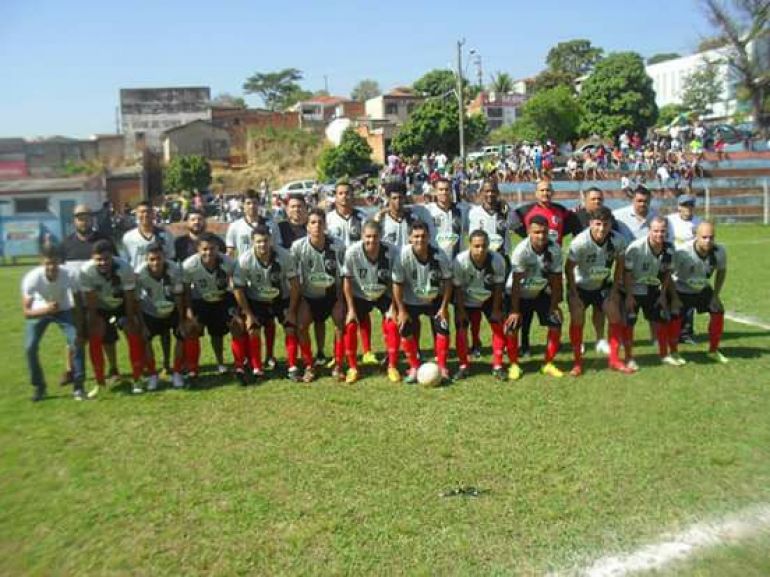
(681, 232)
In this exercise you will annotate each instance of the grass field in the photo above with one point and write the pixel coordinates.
(334, 479)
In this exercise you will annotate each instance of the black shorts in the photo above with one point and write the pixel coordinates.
(701, 301)
(486, 308)
(266, 312)
(540, 305)
(321, 308)
(595, 297)
(365, 307)
(157, 326)
(113, 320)
(649, 305)
(429, 310)
(215, 316)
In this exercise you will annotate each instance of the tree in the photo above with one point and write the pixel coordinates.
(186, 174)
(501, 83)
(711, 42)
(552, 113)
(741, 25)
(227, 99)
(434, 125)
(365, 89)
(668, 113)
(276, 89)
(662, 57)
(575, 57)
(618, 95)
(702, 88)
(437, 82)
(351, 157)
(549, 79)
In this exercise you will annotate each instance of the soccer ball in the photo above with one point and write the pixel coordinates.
(429, 374)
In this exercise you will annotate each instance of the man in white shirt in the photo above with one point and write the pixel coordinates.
(681, 232)
(634, 220)
(47, 297)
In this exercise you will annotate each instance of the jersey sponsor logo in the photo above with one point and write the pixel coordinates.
(164, 307)
(495, 241)
(321, 280)
(598, 273)
(267, 293)
(373, 292)
(426, 293)
(478, 294)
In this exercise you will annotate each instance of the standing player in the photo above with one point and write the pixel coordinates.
(367, 284)
(594, 271)
(185, 245)
(109, 291)
(160, 290)
(396, 218)
(479, 277)
(319, 259)
(681, 228)
(267, 288)
(209, 304)
(693, 266)
(422, 286)
(535, 285)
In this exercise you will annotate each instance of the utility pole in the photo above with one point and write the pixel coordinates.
(461, 101)
(326, 83)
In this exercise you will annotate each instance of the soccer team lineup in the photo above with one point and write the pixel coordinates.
(445, 266)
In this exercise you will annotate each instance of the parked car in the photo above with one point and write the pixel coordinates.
(304, 187)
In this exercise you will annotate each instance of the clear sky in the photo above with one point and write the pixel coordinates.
(63, 63)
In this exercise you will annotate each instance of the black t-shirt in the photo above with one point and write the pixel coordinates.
(290, 232)
(184, 246)
(73, 248)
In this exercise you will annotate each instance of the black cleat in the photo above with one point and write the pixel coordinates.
(240, 376)
(462, 373)
(499, 374)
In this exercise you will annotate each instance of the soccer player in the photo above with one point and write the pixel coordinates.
(319, 259)
(594, 271)
(109, 291)
(267, 288)
(693, 266)
(367, 284)
(160, 290)
(647, 277)
(681, 232)
(396, 218)
(479, 278)
(535, 286)
(48, 297)
(209, 304)
(422, 286)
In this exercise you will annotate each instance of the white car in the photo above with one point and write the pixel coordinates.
(304, 187)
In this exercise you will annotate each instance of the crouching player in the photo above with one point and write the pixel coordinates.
(160, 291)
(422, 286)
(693, 265)
(536, 287)
(478, 276)
(647, 278)
(209, 304)
(367, 284)
(266, 289)
(109, 291)
(594, 271)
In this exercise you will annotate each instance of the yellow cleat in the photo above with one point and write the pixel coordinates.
(514, 372)
(93, 393)
(351, 376)
(393, 375)
(551, 370)
(718, 357)
(369, 358)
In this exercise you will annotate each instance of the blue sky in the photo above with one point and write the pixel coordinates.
(63, 63)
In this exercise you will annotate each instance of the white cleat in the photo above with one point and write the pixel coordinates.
(152, 383)
(221, 370)
(177, 381)
(602, 347)
(137, 389)
(631, 364)
(670, 361)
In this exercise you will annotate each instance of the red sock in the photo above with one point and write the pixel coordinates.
(461, 340)
(661, 332)
(616, 336)
(576, 340)
(552, 346)
(96, 352)
(512, 345)
(307, 353)
(409, 344)
(475, 318)
(365, 324)
(716, 327)
(674, 328)
(498, 342)
(149, 365)
(178, 360)
(291, 349)
(135, 354)
(442, 349)
(269, 340)
(255, 349)
(240, 347)
(628, 342)
(390, 328)
(351, 344)
(192, 353)
(339, 350)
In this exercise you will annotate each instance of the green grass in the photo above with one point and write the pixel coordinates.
(333, 479)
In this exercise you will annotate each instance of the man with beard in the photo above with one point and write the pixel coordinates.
(185, 245)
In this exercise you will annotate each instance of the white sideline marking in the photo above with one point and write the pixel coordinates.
(677, 547)
(747, 320)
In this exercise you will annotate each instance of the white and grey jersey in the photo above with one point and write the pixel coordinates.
(422, 280)
(110, 288)
(594, 261)
(499, 225)
(206, 284)
(477, 282)
(645, 266)
(157, 294)
(448, 227)
(135, 245)
(239, 233)
(537, 268)
(346, 230)
(319, 268)
(371, 279)
(692, 271)
(396, 232)
(266, 281)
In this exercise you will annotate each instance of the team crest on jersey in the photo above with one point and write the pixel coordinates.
(434, 276)
(275, 277)
(330, 266)
(383, 275)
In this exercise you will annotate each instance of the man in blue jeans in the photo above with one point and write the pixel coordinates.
(47, 297)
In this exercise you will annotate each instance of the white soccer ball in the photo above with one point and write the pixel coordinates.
(429, 374)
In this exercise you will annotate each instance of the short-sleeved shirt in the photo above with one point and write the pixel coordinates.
(42, 291)
(371, 279)
(593, 261)
(346, 230)
(630, 225)
(135, 245)
(561, 221)
(396, 231)
(239, 233)
(157, 295)
(422, 280)
(448, 227)
(266, 281)
(319, 269)
(286, 233)
(499, 225)
(78, 250)
(477, 282)
(110, 288)
(536, 267)
(692, 271)
(185, 246)
(206, 284)
(679, 231)
(645, 266)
